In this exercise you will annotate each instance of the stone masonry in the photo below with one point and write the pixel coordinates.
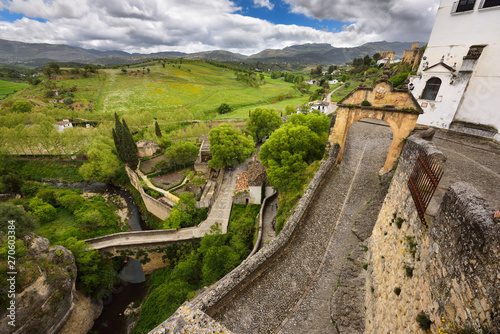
(448, 271)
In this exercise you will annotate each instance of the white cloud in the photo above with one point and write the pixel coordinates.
(389, 19)
(263, 3)
(199, 25)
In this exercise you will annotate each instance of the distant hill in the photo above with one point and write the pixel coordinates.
(36, 54)
(327, 54)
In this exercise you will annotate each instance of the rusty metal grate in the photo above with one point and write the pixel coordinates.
(423, 182)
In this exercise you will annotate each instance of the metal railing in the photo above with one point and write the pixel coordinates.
(423, 182)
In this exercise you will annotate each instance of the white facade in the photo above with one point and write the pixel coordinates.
(464, 53)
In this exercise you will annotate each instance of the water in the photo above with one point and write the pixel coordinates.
(133, 286)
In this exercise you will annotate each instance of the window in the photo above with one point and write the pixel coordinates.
(463, 6)
(490, 3)
(431, 89)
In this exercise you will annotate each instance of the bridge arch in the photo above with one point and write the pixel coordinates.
(397, 107)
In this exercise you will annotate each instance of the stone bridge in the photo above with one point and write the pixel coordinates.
(138, 244)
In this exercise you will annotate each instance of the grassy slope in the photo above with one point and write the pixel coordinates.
(7, 87)
(192, 90)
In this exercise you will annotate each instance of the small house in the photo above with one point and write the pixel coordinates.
(62, 125)
(146, 148)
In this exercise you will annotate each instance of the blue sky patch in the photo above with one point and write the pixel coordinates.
(5, 15)
(281, 14)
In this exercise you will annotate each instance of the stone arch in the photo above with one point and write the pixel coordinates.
(397, 107)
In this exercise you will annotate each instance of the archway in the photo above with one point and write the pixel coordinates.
(397, 107)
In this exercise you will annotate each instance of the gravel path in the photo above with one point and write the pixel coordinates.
(263, 305)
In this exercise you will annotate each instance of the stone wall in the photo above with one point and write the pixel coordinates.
(448, 271)
(222, 291)
(156, 207)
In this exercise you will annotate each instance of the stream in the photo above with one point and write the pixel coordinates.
(133, 286)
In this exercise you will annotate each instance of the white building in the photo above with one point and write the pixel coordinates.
(62, 125)
(458, 80)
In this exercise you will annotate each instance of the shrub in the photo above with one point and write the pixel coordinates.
(409, 271)
(22, 106)
(423, 321)
(366, 103)
(224, 108)
(397, 291)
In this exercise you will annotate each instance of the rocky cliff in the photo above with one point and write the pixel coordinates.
(45, 287)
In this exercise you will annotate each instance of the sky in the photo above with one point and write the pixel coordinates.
(241, 26)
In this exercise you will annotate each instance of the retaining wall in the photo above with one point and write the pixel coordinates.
(222, 292)
(448, 271)
(156, 207)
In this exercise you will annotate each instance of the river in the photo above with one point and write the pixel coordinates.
(133, 286)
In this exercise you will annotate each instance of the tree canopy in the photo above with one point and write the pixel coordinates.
(262, 122)
(182, 153)
(125, 144)
(290, 149)
(229, 146)
(103, 164)
(22, 106)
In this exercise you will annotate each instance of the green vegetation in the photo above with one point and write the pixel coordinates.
(7, 88)
(291, 148)
(125, 144)
(192, 267)
(229, 147)
(262, 122)
(184, 213)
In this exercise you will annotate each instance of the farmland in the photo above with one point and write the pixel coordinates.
(174, 93)
(7, 87)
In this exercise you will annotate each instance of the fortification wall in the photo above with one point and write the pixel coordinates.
(159, 209)
(449, 271)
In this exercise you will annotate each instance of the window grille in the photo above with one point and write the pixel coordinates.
(431, 89)
(423, 182)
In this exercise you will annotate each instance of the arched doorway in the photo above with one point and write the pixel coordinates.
(397, 107)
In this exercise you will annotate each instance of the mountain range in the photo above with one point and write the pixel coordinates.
(36, 54)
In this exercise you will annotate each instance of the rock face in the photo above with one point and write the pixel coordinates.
(46, 281)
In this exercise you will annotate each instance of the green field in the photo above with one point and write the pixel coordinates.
(7, 87)
(192, 92)
(169, 94)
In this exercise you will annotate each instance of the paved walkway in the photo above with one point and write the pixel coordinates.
(219, 213)
(268, 230)
(469, 159)
(286, 296)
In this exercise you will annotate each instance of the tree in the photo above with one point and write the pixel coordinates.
(10, 183)
(22, 106)
(317, 123)
(24, 222)
(229, 147)
(287, 153)
(157, 128)
(262, 122)
(125, 144)
(184, 213)
(182, 152)
(377, 56)
(96, 276)
(103, 165)
(224, 108)
(43, 211)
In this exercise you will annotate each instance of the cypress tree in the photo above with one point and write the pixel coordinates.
(157, 130)
(118, 139)
(131, 157)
